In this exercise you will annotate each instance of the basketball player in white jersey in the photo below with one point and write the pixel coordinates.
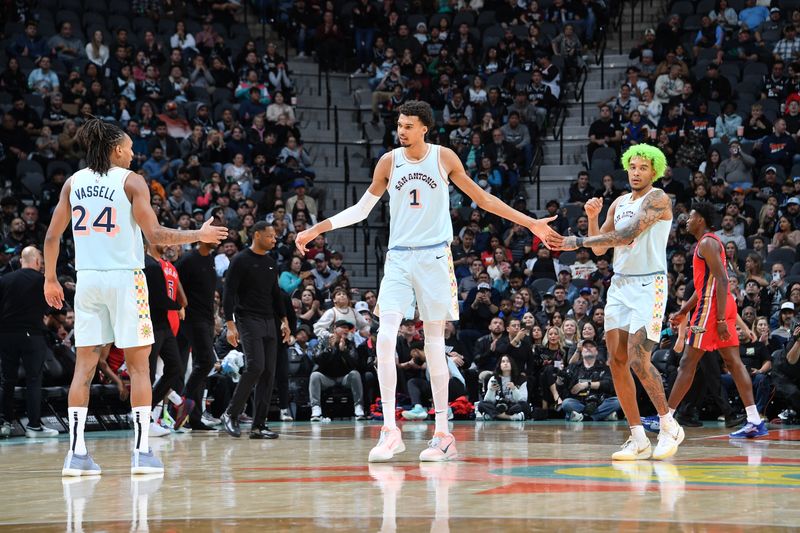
(637, 227)
(108, 208)
(419, 263)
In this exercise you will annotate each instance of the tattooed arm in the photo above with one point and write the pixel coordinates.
(656, 206)
(139, 194)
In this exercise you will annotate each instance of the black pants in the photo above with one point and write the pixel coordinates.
(419, 389)
(282, 376)
(199, 335)
(166, 347)
(32, 350)
(260, 346)
(707, 381)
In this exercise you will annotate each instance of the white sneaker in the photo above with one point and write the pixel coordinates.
(359, 412)
(157, 430)
(286, 416)
(389, 444)
(316, 413)
(40, 432)
(669, 438)
(633, 451)
(209, 419)
(442, 447)
(613, 417)
(575, 416)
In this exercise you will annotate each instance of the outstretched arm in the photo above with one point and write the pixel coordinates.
(455, 170)
(656, 206)
(355, 213)
(139, 194)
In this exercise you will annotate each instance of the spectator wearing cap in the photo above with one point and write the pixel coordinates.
(324, 277)
(589, 387)
(342, 310)
(769, 31)
(647, 66)
(791, 208)
(299, 186)
(545, 315)
(583, 267)
(480, 305)
(737, 168)
(778, 148)
(648, 43)
(786, 372)
(336, 363)
(362, 308)
(177, 126)
(565, 280)
(768, 184)
(782, 327)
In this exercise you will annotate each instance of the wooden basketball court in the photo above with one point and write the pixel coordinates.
(542, 476)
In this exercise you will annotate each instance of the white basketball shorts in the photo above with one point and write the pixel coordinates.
(424, 273)
(112, 306)
(635, 302)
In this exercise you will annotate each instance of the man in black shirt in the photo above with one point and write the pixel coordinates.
(252, 294)
(22, 307)
(604, 132)
(199, 280)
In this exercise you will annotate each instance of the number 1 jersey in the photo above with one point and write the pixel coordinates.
(106, 235)
(419, 200)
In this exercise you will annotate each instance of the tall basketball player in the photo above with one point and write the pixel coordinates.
(637, 227)
(712, 301)
(419, 263)
(108, 208)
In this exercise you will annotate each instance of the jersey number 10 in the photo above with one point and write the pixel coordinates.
(106, 221)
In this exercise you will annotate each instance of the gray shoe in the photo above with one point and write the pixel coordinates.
(79, 465)
(145, 463)
(6, 429)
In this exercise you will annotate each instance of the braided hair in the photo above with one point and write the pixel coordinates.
(98, 138)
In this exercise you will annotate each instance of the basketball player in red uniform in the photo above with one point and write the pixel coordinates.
(712, 326)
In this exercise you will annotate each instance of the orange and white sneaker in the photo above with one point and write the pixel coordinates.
(390, 443)
(442, 447)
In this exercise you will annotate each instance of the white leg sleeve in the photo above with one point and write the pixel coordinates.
(387, 372)
(440, 373)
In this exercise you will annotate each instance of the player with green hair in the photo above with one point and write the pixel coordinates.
(637, 227)
(656, 157)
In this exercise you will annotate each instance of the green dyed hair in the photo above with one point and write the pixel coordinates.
(646, 151)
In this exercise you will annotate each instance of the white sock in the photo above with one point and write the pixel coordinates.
(671, 411)
(638, 434)
(175, 398)
(387, 372)
(77, 422)
(141, 428)
(440, 373)
(667, 419)
(752, 414)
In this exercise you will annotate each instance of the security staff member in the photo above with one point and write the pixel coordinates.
(199, 280)
(251, 295)
(22, 308)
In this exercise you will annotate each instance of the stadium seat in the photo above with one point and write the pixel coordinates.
(785, 256)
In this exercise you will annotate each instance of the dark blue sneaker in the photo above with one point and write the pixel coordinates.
(750, 431)
(651, 423)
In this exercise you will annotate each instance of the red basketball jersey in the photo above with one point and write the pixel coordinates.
(171, 276)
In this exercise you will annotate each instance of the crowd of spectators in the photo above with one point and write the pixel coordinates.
(222, 140)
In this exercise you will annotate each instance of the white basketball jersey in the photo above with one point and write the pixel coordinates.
(106, 235)
(648, 252)
(419, 200)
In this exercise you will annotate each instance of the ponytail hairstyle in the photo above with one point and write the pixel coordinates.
(98, 138)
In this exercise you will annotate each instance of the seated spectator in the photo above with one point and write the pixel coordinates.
(788, 48)
(580, 191)
(96, 51)
(279, 107)
(779, 148)
(336, 363)
(29, 44)
(490, 347)
(786, 235)
(177, 126)
(419, 388)
(604, 132)
(506, 395)
(786, 373)
(669, 85)
(183, 40)
(42, 80)
(67, 47)
(589, 387)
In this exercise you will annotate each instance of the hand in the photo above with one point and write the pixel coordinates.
(569, 243)
(593, 207)
(305, 237)
(182, 313)
(495, 386)
(675, 319)
(212, 234)
(123, 392)
(233, 334)
(457, 358)
(551, 239)
(54, 294)
(286, 331)
(752, 335)
(722, 331)
(511, 386)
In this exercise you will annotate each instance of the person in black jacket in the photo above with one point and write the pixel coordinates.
(589, 387)
(22, 336)
(336, 363)
(252, 295)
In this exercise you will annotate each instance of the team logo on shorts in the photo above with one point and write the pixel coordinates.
(145, 329)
